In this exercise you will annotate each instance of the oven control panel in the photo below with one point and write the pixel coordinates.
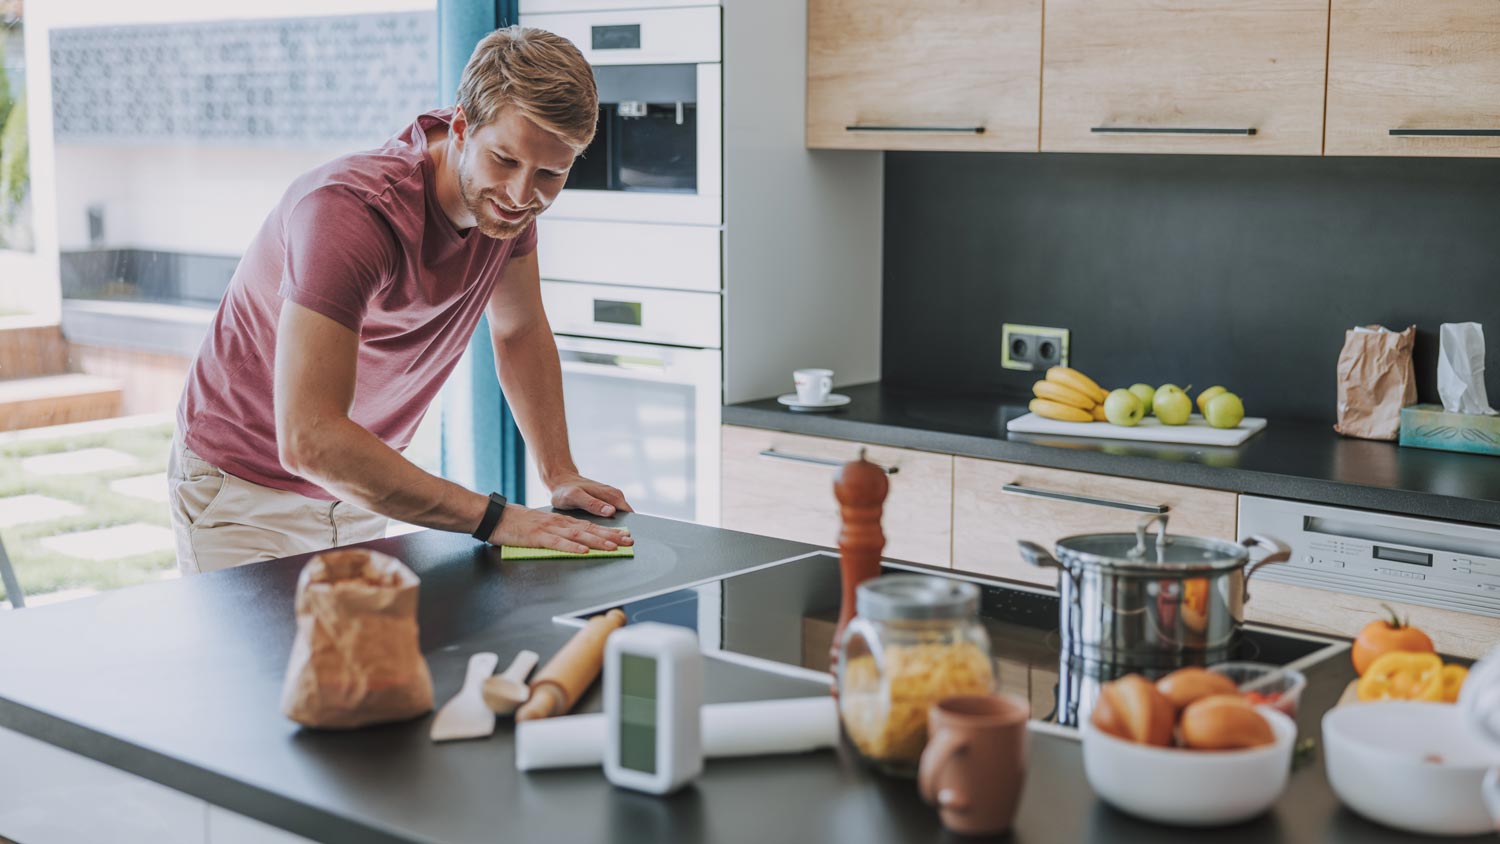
(1450, 565)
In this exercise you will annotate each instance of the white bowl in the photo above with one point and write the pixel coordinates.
(1190, 787)
(1377, 759)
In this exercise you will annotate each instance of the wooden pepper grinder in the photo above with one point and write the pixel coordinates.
(861, 487)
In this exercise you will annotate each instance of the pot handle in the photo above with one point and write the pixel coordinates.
(1280, 553)
(1038, 556)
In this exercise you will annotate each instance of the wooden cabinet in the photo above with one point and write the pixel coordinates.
(1414, 78)
(779, 484)
(997, 504)
(1184, 76)
(936, 75)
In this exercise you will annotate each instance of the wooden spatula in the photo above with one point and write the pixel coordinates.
(466, 716)
(504, 693)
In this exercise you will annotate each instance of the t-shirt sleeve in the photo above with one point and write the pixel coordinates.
(525, 242)
(339, 251)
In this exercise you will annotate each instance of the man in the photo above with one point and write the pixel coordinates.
(352, 305)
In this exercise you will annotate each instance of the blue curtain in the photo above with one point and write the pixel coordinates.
(482, 447)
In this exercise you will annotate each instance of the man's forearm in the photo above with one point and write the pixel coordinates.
(355, 465)
(531, 376)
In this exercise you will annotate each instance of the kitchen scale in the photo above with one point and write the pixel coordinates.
(781, 616)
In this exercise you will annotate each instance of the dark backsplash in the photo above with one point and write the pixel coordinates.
(1241, 271)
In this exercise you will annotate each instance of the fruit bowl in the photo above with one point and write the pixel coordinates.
(1186, 787)
(1409, 765)
(1277, 687)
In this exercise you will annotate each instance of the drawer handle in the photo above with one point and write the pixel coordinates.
(821, 461)
(1170, 130)
(930, 130)
(1017, 489)
(1447, 133)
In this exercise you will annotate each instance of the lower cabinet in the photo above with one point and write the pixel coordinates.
(779, 484)
(996, 504)
(53, 796)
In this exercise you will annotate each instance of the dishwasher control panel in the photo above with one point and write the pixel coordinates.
(1450, 565)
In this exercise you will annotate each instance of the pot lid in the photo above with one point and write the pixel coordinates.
(1145, 552)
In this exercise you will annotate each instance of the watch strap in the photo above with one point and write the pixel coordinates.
(492, 513)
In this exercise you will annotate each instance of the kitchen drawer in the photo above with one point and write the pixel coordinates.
(781, 485)
(608, 252)
(988, 520)
(936, 75)
(1341, 614)
(1414, 67)
(639, 314)
(1235, 77)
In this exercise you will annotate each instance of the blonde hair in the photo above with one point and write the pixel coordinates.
(539, 73)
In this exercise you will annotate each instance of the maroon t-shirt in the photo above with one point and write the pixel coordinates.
(362, 241)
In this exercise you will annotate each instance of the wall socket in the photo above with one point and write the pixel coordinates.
(1034, 347)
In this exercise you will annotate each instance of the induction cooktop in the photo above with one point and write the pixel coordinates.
(781, 617)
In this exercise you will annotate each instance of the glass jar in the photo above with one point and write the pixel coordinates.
(915, 640)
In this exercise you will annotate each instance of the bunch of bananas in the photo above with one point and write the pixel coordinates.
(1068, 395)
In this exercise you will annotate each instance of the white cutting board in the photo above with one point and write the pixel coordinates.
(1196, 432)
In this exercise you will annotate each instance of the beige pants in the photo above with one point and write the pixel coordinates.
(222, 521)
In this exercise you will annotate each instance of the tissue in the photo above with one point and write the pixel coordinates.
(1461, 369)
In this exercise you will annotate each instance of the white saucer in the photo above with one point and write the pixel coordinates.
(834, 400)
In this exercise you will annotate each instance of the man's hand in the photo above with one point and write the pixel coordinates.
(575, 492)
(524, 528)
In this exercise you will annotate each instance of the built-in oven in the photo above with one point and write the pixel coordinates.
(657, 151)
(642, 395)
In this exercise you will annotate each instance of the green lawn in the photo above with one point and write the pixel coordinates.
(41, 570)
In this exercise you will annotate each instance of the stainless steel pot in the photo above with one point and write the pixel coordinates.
(1153, 604)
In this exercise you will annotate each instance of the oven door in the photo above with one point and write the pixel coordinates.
(657, 156)
(643, 418)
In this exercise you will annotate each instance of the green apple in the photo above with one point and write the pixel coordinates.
(1171, 405)
(1224, 410)
(1123, 408)
(1206, 396)
(1144, 392)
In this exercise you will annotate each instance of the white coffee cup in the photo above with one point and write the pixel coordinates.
(813, 385)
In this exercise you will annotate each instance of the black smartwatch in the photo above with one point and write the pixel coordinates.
(492, 514)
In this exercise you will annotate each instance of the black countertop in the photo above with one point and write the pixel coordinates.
(1299, 460)
(179, 682)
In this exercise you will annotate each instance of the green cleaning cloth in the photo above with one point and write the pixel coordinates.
(508, 552)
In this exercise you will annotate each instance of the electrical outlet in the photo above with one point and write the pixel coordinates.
(1034, 347)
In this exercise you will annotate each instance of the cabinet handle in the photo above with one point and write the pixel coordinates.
(1017, 489)
(931, 130)
(1170, 130)
(1447, 133)
(821, 461)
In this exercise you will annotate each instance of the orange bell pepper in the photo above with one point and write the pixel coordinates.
(1401, 675)
(1453, 680)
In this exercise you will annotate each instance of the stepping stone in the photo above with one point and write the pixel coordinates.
(81, 462)
(149, 487)
(112, 543)
(27, 509)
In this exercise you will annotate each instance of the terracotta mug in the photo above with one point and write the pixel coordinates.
(975, 761)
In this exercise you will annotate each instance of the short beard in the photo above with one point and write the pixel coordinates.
(479, 206)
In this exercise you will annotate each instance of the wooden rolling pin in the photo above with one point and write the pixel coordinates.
(570, 671)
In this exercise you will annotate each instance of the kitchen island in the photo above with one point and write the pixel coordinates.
(179, 684)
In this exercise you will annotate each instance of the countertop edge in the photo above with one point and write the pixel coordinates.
(1401, 502)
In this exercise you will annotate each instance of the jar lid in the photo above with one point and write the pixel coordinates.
(897, 597)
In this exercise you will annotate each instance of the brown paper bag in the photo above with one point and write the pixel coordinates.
(1376, 380)
(356, 659)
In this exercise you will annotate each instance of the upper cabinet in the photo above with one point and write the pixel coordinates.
(1185, 76)
(1414, 78)
(935, 75)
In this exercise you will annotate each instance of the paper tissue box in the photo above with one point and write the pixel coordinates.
(1430, 426)
(1464, 421)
